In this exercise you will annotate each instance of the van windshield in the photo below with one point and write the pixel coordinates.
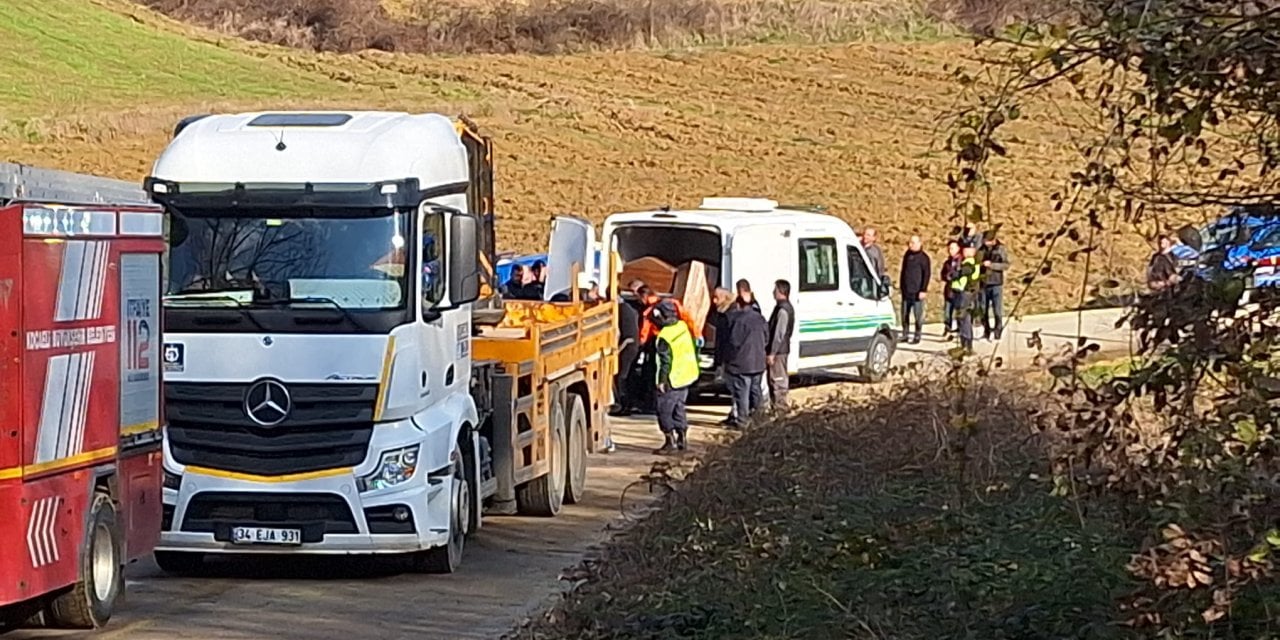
(351, 262)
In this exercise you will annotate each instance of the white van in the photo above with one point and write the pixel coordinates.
(844, 315)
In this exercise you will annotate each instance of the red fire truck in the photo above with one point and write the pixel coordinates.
(80, 410)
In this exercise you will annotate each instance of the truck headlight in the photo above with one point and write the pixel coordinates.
(172, 480)
(395, 467)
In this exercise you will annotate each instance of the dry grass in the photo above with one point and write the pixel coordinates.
(852, 127)
(553, 26)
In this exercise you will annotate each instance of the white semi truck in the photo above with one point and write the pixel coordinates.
(340, 375)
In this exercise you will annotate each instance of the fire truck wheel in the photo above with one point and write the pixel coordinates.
(543, 496)
(448, 559)
(576, 482)
(88, 605)
(182, 563)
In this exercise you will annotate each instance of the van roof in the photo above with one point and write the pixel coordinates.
(728, 213)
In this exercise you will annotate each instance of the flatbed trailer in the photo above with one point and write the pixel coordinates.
(550, 366)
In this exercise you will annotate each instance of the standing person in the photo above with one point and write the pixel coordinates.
(914, 281)
(874, 254)
(1162, 270)
(950, 270)
(782, 323)
(746, 297)
(725, 305)
(649, 329)
(628, 351)
(995, 261)
(965, 288)
(745, 365)
(969, 235)
(677, 371)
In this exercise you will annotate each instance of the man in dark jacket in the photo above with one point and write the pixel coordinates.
(994, 261)
(628, 351)
(950, 271)
(916, 271)
(745, 364)
(782, 323)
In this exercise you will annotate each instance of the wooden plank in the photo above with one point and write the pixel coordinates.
(692, 289)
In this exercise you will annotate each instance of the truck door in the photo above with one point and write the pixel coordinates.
(573, 242)
(831, 321)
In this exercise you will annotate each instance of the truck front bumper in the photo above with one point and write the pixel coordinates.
(330, 513)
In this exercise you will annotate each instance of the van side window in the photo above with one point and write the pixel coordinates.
(819, 265)
(860, 279)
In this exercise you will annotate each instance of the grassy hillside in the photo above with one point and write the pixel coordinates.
(96, 85)
(74, 55)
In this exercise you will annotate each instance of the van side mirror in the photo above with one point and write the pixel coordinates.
(886, 286)
(464, 258)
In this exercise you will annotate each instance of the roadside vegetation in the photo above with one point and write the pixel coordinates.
(558, 26)
(1133, 499)
(849, 521)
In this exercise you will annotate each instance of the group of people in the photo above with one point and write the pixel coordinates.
(972, 279)
(658, 360)
(527, 282)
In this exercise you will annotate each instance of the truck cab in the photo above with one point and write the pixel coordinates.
(844, 315)
(322, 271)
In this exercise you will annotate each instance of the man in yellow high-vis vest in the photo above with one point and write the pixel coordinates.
(677, 359)
(964, 290)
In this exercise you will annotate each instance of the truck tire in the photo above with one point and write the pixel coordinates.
(89, 604)
(879, 355)
(544, 495)
(575, 484)
(181, 563)
(448, 558)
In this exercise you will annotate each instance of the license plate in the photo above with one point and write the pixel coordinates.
(261, 535)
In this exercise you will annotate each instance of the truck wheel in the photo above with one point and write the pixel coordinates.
(543, 496)
(182, 563)
(448, 559)
(575, 485)
(879, 355)
(88, 605)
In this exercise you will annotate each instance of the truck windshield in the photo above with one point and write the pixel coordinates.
(351, 262)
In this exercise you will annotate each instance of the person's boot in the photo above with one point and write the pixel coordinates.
(681, 444)
(668, 446)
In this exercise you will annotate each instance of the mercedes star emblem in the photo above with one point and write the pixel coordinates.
(267, 403)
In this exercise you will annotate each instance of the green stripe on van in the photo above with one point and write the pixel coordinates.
(844, 324)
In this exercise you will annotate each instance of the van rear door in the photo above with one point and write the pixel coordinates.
(571, 251)
(760, 254)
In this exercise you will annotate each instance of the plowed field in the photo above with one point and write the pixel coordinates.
(849, 127)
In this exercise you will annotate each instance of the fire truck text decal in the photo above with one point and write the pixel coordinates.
(42, 543)
(70, 338)
(65, 410)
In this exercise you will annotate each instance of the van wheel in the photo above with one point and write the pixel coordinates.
(576, 480)
(879, 355)
(88, 605)
(448, 558)
(545, 495)
(181, 563)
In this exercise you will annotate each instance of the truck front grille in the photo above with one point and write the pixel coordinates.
(329, 426)
(316, 514)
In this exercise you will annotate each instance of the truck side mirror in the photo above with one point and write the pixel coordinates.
(464, 258)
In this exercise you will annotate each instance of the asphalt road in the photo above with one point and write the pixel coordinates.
(511, 567)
